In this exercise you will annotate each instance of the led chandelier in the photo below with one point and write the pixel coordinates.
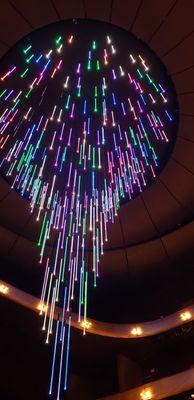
(86, 123)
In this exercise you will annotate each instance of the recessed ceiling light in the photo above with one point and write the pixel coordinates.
(136, 331)
(185, 316)
(3, 289)
(146, 394)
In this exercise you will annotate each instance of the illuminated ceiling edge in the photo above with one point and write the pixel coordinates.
(128, 331)
(160, 389)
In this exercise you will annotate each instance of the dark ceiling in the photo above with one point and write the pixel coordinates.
(147, 268)
(150, 250)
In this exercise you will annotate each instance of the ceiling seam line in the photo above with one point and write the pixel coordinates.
(177, 44)
(55, 9)
(182, 165)
(162, 22)
(84, 9)
(111, 9)
(186, 115)
(156, 228)
(149, 215)
(16, 9)
(187, 139)
(185, 93)
(136, 15)
(124, 244)
(174, 197)
(6, 195)
(4, 43)
(182, 70)
(118, 248)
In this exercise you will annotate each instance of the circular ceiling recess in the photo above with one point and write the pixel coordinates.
(88, 119)
(87, 79)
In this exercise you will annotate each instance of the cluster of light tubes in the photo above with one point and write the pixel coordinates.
(76, 162)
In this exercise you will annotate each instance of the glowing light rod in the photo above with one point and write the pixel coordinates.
(76, 154)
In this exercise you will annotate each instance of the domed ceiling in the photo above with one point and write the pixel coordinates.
(146, 269)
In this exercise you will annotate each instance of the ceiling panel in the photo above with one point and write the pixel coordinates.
(186, 127)
(4, 188)
(136, 222)
(146, 257)
(180, 182)
(98, 9)
(186, 103)
(184, 81)
(113, 263)
(26, 253)
(184, 153)
(150, 17)
(114, 234)
(182, 56)
(39, 13)
(180, 242)
(176, 26)
(14, 213)
(123, 12)
(70, 9)
(165, 211)
(7, 238)
(12, 26)
(3, 49)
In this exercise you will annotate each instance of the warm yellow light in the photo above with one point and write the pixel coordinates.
(146, 394)
(3, 289)
(192, 396)
(186, 315)
(42, 307)
(86, 324)
(136, 331)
